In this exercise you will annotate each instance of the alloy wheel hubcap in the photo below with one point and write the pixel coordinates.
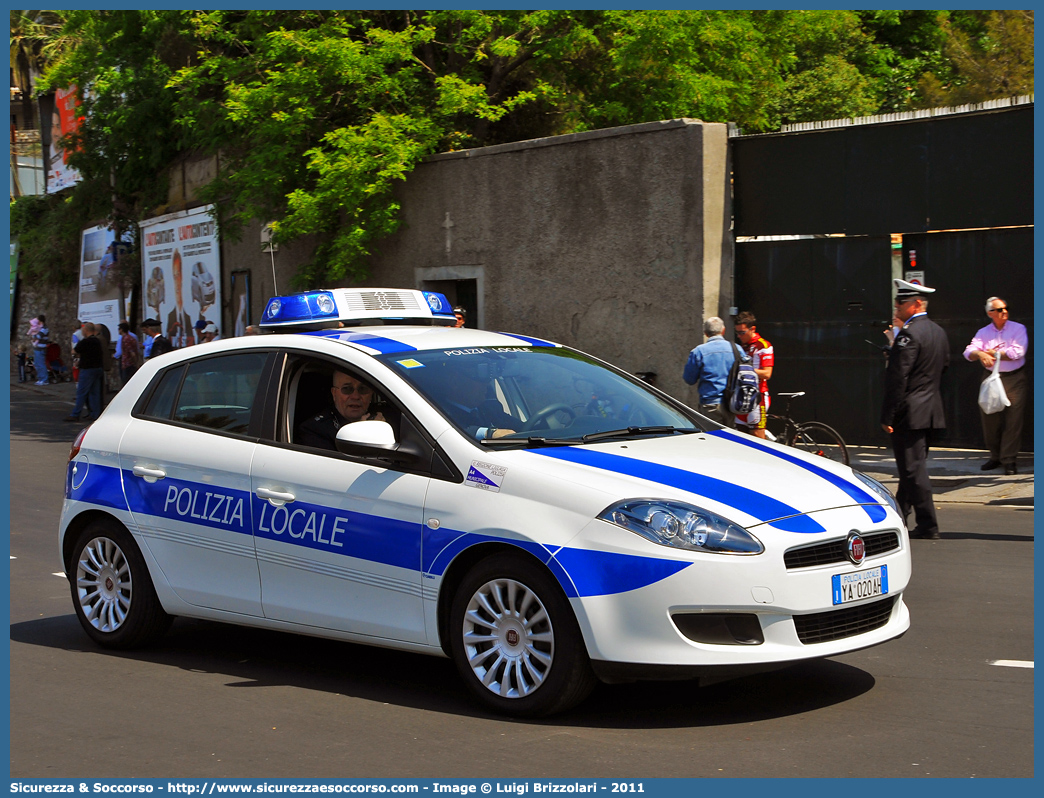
(103, 584)
(508, 638)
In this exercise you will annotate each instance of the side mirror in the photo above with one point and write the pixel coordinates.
(374, 439)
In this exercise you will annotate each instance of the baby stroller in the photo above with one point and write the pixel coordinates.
(56, 369)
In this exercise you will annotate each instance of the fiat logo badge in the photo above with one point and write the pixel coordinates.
(512, 637)
(856, 548)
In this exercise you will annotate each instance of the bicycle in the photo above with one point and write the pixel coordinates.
(813, 437)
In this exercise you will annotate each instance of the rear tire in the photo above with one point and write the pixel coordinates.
(112, 591)
(515, 640)
(819, 439)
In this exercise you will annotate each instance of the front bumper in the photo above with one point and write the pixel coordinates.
(752, 611)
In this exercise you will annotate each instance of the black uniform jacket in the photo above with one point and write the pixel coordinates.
(916, 363)
(320, 431)
(160, 346)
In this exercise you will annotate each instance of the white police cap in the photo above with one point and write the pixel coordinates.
(905, 290)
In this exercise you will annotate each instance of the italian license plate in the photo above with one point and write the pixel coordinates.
(860, 585)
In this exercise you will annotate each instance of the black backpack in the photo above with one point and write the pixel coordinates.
(742, 387)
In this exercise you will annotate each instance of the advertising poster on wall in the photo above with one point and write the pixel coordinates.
(99, 300)
(65, 119)
(181, 274)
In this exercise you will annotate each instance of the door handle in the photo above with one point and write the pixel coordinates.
(148, 473)
(276, 497)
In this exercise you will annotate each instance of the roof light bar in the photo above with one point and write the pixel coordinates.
(354, 307)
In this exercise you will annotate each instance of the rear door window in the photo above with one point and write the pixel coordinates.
(218, 393)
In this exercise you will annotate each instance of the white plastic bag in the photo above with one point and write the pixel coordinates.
(992, 397)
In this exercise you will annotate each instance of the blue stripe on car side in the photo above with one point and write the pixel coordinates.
(602, 573)
(762, 507)
(366, 537)
(101, 486)
(581, 572)
(870, 503)
(192, 502)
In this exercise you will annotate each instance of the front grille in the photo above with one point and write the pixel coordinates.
(822, 627)
(835, 550)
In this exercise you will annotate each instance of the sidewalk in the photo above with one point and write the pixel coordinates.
(955, 473)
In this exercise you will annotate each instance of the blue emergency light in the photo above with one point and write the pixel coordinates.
(355, 307)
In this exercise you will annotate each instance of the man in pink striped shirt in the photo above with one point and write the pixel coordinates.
(1006, 340)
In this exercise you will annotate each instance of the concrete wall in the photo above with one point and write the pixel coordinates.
(615, 242)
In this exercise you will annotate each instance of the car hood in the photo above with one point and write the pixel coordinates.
(744, 479)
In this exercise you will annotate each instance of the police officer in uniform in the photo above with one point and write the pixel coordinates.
(913, 406)
(351, 403)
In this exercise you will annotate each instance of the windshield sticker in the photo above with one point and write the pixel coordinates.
(410, 363)
(485, 476)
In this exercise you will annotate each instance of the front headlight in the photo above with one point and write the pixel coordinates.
(879, 489)
(682, 526)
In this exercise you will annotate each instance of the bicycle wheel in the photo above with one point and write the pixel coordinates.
(776, 428)
(816, 438)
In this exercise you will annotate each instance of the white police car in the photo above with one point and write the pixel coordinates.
(537, 515)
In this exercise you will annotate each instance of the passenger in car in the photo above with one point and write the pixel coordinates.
(351, 403)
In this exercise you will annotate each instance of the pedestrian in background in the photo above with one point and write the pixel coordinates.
(763, 358)
(90, 390)
(209, 333)
(22, 360)
(1007, 341)
(913, 408)
(77, 336)
(127, 352)
(157, 344)
(40, 337)
(708, 368)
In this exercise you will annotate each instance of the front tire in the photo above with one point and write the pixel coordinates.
(515, 640)
(819, 439)
(112, 592)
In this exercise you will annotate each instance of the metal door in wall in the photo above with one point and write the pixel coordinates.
(965, 267)
(818, 301)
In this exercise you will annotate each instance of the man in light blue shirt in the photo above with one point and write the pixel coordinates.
(709, 365)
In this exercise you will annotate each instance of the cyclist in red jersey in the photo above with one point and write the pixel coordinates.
(760, 351)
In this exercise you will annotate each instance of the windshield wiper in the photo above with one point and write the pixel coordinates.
(532, 442)
(630, 432)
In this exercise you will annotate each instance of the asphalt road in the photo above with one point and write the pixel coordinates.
(220, 701)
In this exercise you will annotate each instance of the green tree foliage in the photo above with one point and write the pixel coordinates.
(48, 230)
(989, 54)
(313, 116)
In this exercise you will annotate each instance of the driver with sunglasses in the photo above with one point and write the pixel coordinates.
(351, 403)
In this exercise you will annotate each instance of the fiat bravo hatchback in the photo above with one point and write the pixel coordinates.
(539, 516)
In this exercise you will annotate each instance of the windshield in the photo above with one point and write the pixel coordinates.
(536, 396)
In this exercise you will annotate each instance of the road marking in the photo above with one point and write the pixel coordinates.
(13, 557)
(58, 573)
(1012, 663)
